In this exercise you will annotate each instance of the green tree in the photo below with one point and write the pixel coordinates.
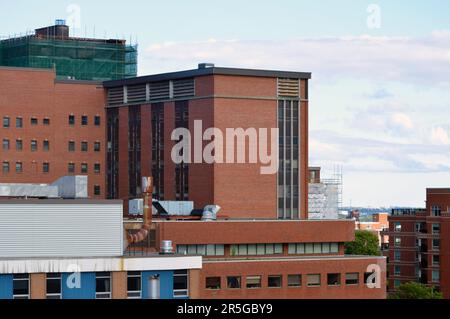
(414, 290)
(366, 243)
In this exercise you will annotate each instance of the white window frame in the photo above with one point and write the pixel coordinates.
(181, 293)
(103, 295)
(27, 296)
(135, 294)
(60, 283)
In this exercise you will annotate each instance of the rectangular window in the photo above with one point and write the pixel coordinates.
(275, 281)
(19, 122)
(84, 120)
(46, 167)
(84, 146)
(352, 278)
(5, 167)
(97, 168)
(19, 167)
(21, 286)
(97, 190)
(436, 260)
(253, 282)
(103, 285)
(180, 283)
(398, 227)
(134, 285)
(436, 244)
(397, 241)
(53, 284)
(397, 283)
(234, 282)
(6, 122)
(212, 283)
(34, 121)
(436, 228)
(435, 211)
(334, 279)
(309, 248)
(46, 146)
(71, 119)
(435, 276)
(294, 280)
(71, 168)
(19, 145)
(397, 255)
(84, 168)
(71, 146)
(97, 146)
(5, 144)
(97, 120)
(34, 145)
(397, 270)
(46, 121)
(313, 280)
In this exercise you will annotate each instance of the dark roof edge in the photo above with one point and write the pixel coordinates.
(207, 71)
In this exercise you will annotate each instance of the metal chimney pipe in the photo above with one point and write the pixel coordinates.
(147, 191)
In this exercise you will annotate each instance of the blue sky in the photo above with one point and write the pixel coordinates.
(380, 97)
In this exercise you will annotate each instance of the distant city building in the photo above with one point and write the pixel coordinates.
(323, 196)
(378, 224)
(419, 243)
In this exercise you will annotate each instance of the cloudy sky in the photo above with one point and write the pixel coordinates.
(380, 93)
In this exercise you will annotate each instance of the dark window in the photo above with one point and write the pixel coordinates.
(436, 243)
(71, 167)
(97, 168)
(21, 286)
(134, 285)
(234, 282)
(253, 282)
(436, 259)
(84, 168)
(334, 279)
(352, 278)
(294, 280)
(158, 150)
(46, 167)
(6, 122)
(180, 283)
(71, 146)
(5, 167)
(19, 168)
(97, 190)
(84, 146)
(274, 281)
(84, 120)
(54, 286)
(5, 144)
(97, 146)
(212, 283)
(19, 145)
(112, 155)
(134, 150)
(182, 170)
(34, 121)
(19, 122)
(97, 120)
(46, 121)
(46, 146)
(34, 145)
(103, 285)
(71, 119)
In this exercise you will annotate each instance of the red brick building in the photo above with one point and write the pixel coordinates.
(51, 128)
(419, 243)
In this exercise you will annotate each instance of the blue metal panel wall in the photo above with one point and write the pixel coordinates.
(6, 286)
(166, 283)
(86, 290)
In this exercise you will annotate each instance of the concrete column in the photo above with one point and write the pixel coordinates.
(38, 287)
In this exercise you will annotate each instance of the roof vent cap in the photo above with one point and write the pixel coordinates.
(205, 65)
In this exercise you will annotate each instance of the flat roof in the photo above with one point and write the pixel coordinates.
(207, 71)
(6, 201)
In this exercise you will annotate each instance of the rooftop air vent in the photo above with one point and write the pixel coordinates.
(205, 65)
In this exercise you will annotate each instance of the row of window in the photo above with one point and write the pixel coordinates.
(436, 243)
(21, 285)
(6, 145)
(420, 227)
(277, 281)
(202, 250)
(435, 258)
(46, 167)
(46, 121)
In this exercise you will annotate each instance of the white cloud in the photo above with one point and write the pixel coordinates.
(439, 136)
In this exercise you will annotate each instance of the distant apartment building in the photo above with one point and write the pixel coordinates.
(419, 243)
(378, 224)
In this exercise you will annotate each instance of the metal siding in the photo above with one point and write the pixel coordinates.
(61, 230)
(6, 286)
(85, 291)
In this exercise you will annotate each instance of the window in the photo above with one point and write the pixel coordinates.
(6, 121)
(34, 121)
(46, 121)
(97, 190)
(253, 282)
(46, 167)
(294, 280)
(398, 227)
(352, 278)
(397, 270)
(316, 248)
(97, 168)
(46, 146)
(5, 144)
(19, 145)
(418, 227)
(71, 146)
(19, 167)
(180, 283)
(334, 279)
(212, 283)
(5, 167)
(397, 241)
(21, 286)
(71, 168)
(397, 255)
(97, 146)
(84, 168)
(84, 120)
(54, 286)
(397, 283)
(84, 146)
(34, 145)
(436, 210)
(436, 260)
(103, 285)
(274, 281)
(97, 120)
(202, 250)
(71, 119)
(436, 228)
(435, 276)
(134, 285)
(234, 282)
(309, 249)
(313, 280)
(256, 249)
(436, 244)
(19, 122)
